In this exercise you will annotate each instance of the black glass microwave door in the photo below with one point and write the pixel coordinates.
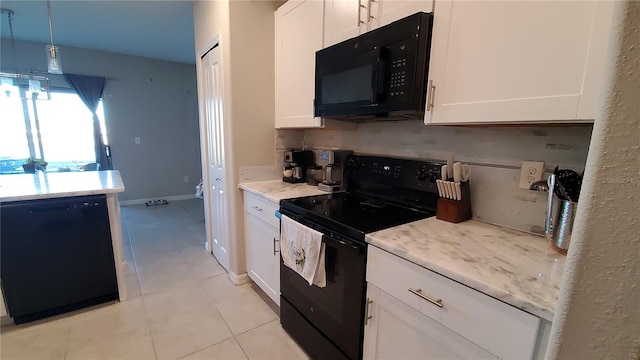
(350, 82)
(337, 309)
(347, 86)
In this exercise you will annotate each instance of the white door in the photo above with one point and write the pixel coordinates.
(215, 154)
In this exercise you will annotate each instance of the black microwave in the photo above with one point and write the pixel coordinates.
(381, 74)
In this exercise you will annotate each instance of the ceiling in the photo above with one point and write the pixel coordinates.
(150, 28)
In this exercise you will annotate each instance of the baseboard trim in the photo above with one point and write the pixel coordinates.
(168, 198)
(238, 279)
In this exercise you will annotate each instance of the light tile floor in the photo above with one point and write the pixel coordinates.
(181, 304)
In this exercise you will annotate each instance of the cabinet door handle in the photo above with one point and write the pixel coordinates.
(219, 179)
(360, 6)
(274, 247)
(418, 292)
(367, 317)
(369, 17)
(430, 98)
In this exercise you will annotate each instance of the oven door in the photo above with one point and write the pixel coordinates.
(336, 310)
(350, 84)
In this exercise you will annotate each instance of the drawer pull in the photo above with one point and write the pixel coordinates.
(367, 317)
(257, 208)
(418, 292)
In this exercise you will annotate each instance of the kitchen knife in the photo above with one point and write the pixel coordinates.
(439, 185)
(443, 172)
(451, 190)
(457, 172)
(458, 191)
(450, 166)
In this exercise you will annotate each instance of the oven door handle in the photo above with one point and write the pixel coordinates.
(359, 248)
(342, 243)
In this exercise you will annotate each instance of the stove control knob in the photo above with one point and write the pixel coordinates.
(422, 175)
(433, 176)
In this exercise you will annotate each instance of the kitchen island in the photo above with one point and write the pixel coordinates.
(49, 185)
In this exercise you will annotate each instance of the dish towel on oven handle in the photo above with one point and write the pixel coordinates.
(302, 251)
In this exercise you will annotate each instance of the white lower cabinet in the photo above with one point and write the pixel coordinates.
(262, 245)
(397, 331)
(417, 313)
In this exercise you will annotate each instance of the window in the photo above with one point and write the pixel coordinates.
(65, 139)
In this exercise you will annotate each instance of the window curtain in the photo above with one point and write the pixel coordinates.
(89, 89)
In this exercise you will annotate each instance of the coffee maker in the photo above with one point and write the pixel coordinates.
(332, 162)
(296, 163)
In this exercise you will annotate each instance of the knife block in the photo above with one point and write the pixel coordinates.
(455, 211)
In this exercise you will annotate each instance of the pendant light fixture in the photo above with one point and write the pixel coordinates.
(54, 64)
(21, 85)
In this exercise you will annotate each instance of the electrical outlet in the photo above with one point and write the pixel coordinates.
(136, 140)
(186, 179)
(530, 172)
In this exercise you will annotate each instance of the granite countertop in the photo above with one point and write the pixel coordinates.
(276, 190)
(517, 268)
(44, 185)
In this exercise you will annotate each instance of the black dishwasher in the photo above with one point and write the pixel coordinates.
(56, 256)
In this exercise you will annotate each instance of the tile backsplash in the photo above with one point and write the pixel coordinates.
(494, 153)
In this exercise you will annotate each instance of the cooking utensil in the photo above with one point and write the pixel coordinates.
(568, 184)
(452, 190)
(457, 172)
(458, 191)
(439, 185)
(450, 167)
(443, 172)
(465, 172)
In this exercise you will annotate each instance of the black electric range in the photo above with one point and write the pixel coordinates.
(353, 214)
(381, 193)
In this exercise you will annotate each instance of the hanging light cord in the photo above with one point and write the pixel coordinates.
(53, 49)
(13, 42)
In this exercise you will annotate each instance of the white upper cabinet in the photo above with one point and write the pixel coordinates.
(298, 31)
(345, 19)
(517, 61)
(386, 12)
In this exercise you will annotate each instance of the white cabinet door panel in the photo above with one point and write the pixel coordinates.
(298, 30)
(344, 19)
(510, 61)
(262, 255)
(397, 331)
(389, 11)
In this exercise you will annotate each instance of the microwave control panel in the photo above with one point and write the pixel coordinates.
(401, 70)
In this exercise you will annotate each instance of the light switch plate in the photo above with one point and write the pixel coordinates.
(530, 172)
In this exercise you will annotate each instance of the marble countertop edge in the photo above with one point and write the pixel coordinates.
(23, 187)
(276, 190)
(485, 288)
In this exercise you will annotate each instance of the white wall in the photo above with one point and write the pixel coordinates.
(498, 153)
(153, 99)
(598, 310)
(246, 33)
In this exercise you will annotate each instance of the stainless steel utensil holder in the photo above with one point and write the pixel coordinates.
(562, 225)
